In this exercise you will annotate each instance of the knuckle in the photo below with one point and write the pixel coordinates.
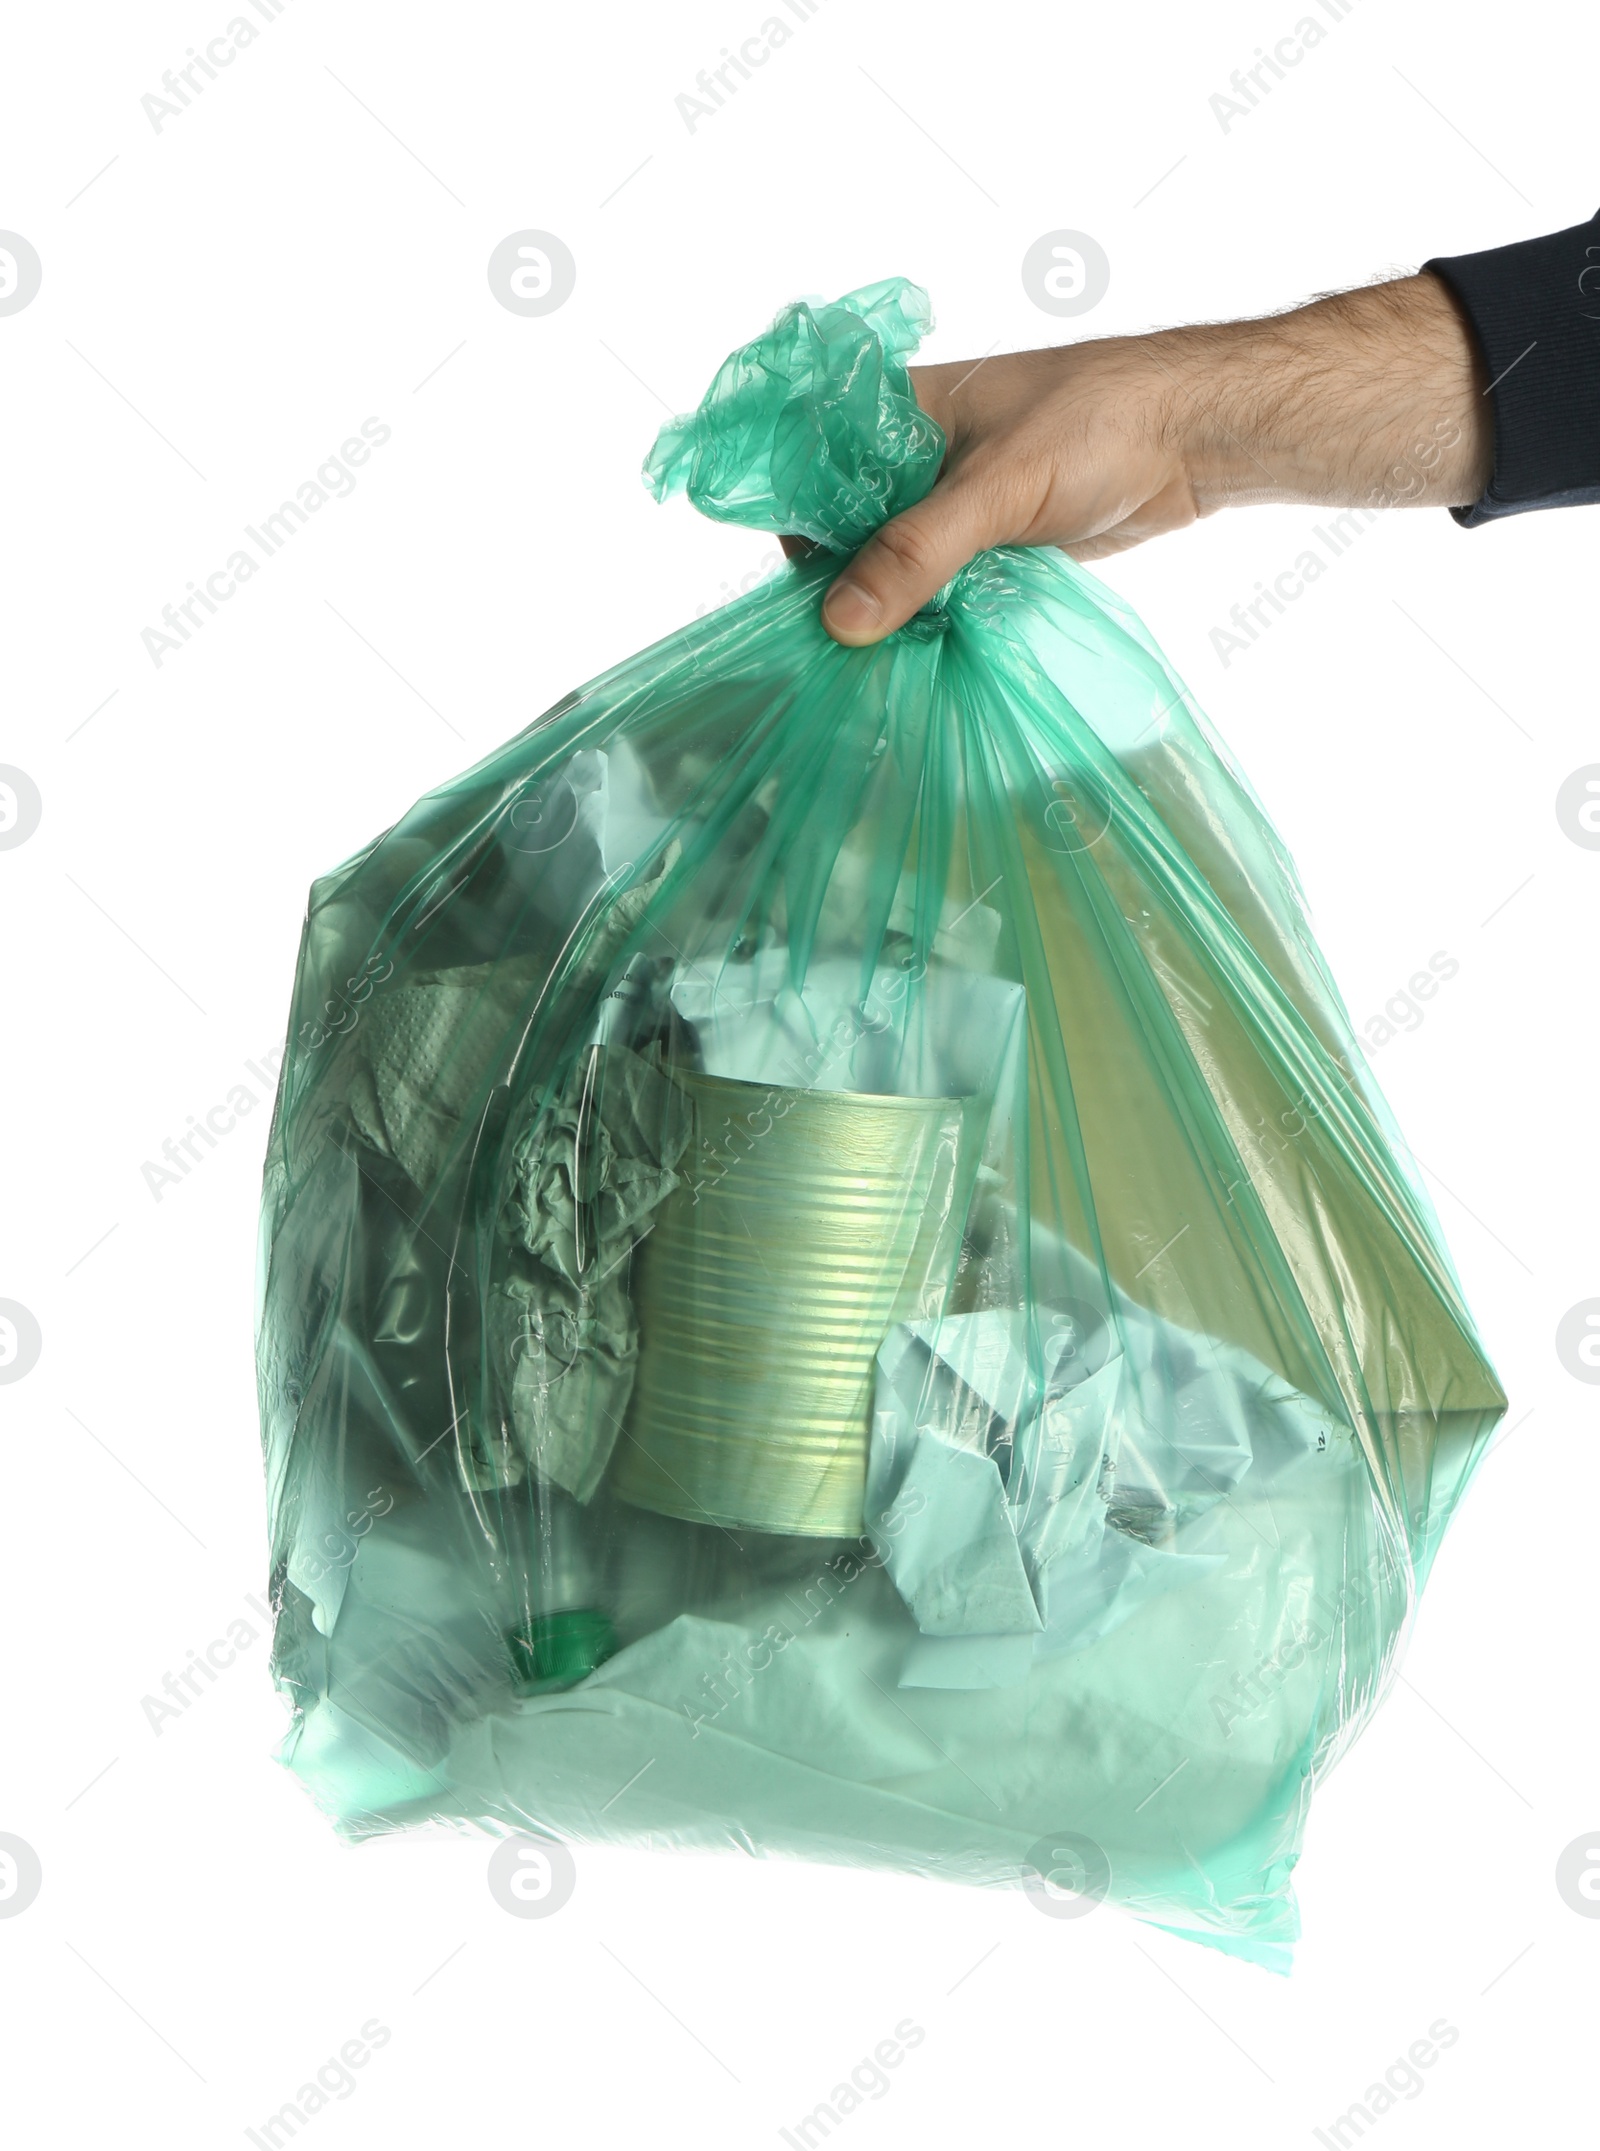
(908, 548)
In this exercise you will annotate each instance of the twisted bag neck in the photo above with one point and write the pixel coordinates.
(813, 430)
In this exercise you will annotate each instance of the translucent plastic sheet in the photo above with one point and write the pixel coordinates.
(834, 1280)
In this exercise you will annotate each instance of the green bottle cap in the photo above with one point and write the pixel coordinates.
(554, 1650)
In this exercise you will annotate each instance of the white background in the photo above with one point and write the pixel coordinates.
(222, 305)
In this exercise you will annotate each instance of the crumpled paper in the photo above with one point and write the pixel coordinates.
(1022, 1501)
(589, 1174)
(939, 1030)
(591, 1168)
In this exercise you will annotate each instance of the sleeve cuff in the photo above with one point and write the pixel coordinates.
(1534, 309)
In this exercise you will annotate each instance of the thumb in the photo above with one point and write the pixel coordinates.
(905, 563)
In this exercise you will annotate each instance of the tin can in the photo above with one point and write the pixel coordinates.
(809, 1223)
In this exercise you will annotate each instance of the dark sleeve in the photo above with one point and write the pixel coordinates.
(1535, 310)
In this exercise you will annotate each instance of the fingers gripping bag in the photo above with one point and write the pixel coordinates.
(834, 1280)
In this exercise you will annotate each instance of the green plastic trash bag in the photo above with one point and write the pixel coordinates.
(835, 1282)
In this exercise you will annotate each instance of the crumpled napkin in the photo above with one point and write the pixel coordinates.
(1023, 1502)
(590, 1172)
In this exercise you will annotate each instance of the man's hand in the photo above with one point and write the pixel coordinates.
(1373, 398)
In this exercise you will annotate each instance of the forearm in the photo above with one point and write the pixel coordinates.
(1371, 398)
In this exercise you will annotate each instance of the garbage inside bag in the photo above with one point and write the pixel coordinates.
(832, 1270)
